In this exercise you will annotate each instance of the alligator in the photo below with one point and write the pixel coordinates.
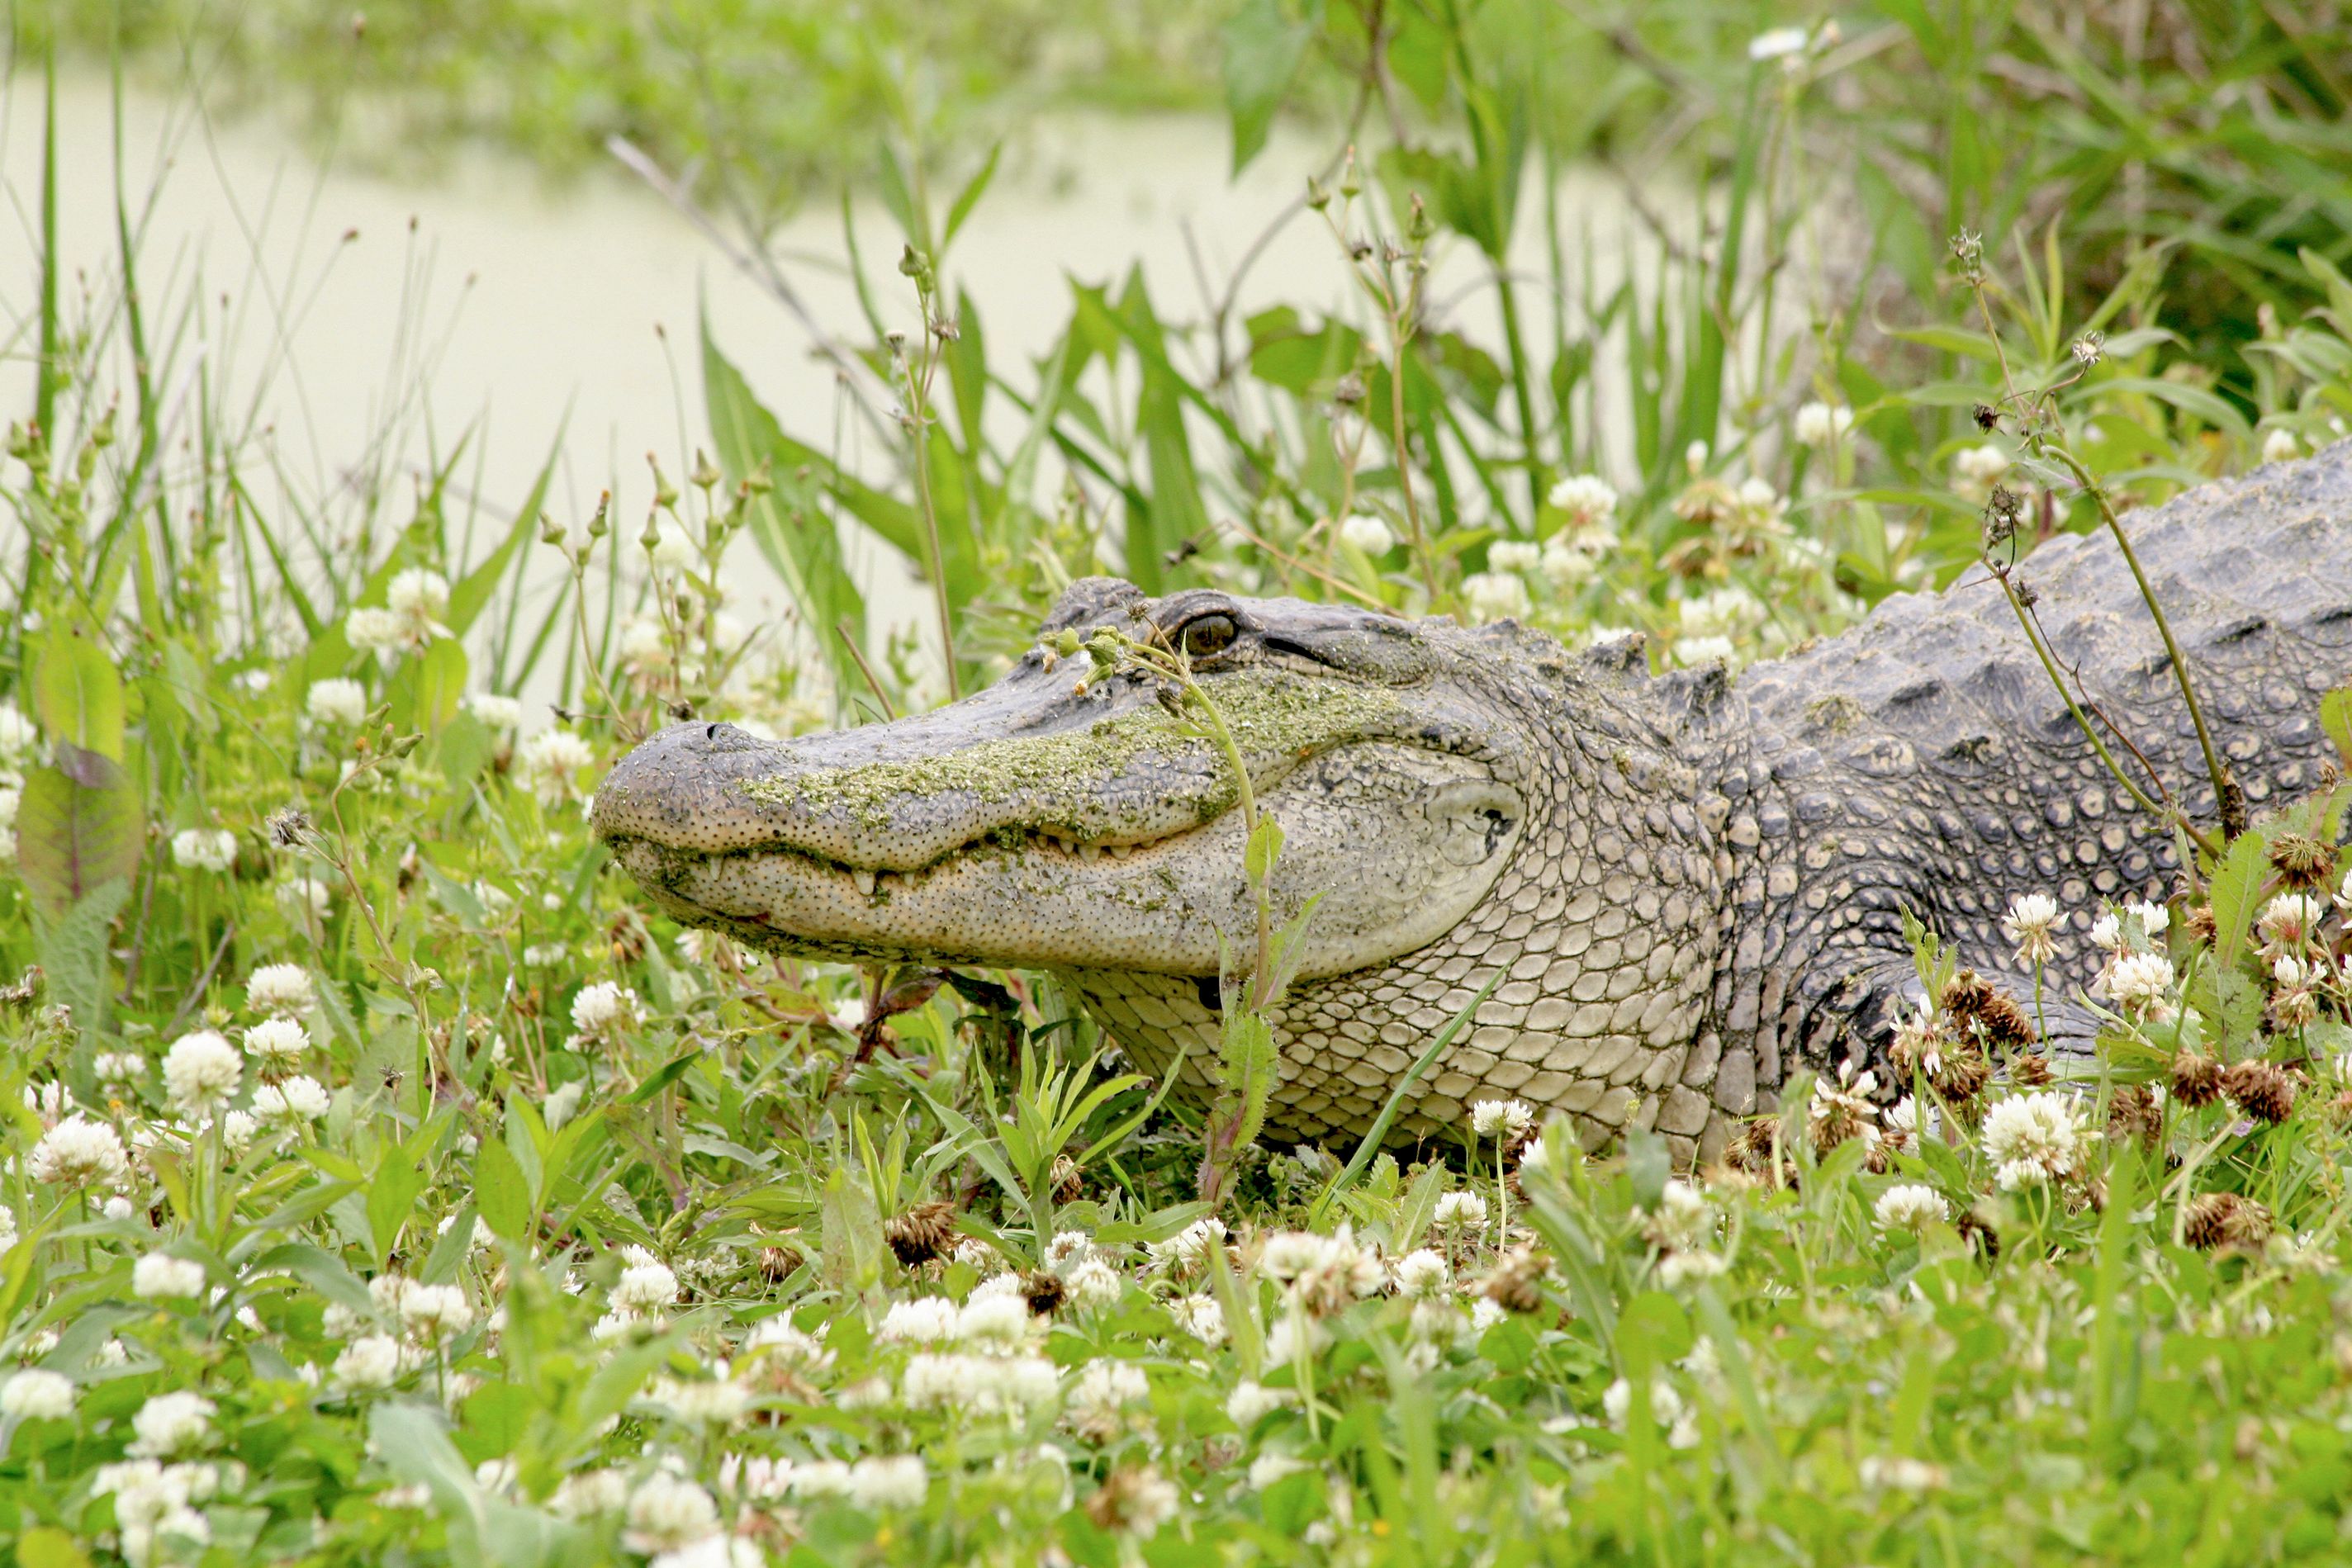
(1683, 887)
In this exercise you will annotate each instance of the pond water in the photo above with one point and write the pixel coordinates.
(344, 302)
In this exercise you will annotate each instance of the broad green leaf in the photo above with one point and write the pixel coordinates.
(1264, 46)
(2232, 894)
(2336, 718)
(501, 1193)
(77, 693)
(77, 828)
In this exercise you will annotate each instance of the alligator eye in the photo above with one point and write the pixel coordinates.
(1205, 635)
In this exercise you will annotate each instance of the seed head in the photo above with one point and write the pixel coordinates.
(922, 1233)
(2134, 1114)
(2302, 861)
(1513, 1286)
(1043, 1291)
(2224, 1219)
(1988, 417)
(2196, 1080)
(2263, 1090)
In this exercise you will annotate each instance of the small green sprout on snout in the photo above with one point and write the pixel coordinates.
(1246, 1058)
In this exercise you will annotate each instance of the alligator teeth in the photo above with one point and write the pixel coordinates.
(1089, 853)
(1120, 852)
(864, 879)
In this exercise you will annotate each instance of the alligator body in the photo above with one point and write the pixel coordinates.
(1688, 885)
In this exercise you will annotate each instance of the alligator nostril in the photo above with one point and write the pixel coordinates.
(710, 733)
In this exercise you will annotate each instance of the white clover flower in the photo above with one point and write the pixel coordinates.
(718, 1402)
(373, 629)
(550, 762)
(1095, 1283)
(2153, 916)
(1910, 1206)
(78, 1152)
(1495, 595)
(159, 1276)
(2108, 933)
(1250, 1401)
(1587, 498)
(993, 1321)
(238, 1129)
(1780, 43)
(1460, 1211)
(880, 1482)
(988, 1386)
(298, 1098)
(118, 1069)
(433, 1311)
(2044, 1128)
(1513, 555)
(1422, 1275)
(204, 849)
(587, 1493)
(337, 701)
(2030, 924)
(1501, 1118)
(605, 1008)
(643, 1287)
(2141, 985)
(281, 990)
(19, 736)
(1820, 423)
(12, 800)
(2288, 921)
(277, 1043)
(1565, 565)
(1189, 1248)
(2014, 1175)
(36, 1394)
(925, 1319)
(1099, 1400)
(2280, 445)
(1690, 652)
(1684, 1219)
(2089, 348)
(201, 1071)
(1682, 1267)
(1368, 534)
(170, 1422)
(1201, 1315)
(1979, 468)
(372, 1360)
(669, 1510)
(2344, 894)
(496, 711)
(645, 643)
(1296, 1335)
(419, 596)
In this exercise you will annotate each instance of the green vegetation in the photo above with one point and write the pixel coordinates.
(385, 1185)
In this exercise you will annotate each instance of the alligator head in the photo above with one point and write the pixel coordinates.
(1061, 820)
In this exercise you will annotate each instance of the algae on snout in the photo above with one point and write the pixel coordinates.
(1060, 780)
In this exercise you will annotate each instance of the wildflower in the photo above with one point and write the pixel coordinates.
(1251, 1401)
(1200, 1315)
(277, 1043)
(2029, 924)
(19, 736)
(2344, 894)
(645, 1286)
(588, 1493)
(1565, 565)
(299, 1098)
(170, 1422)
(201, 1071)
(38, 1395)
(923, 1321)
(337, 701)
(306, 897)
(605, 1008)
(1898, 1472)
(1515, 1282)
(372, 1360)
(1588, 499)
(998, 1322)
(1513, 555)
(1135, 1501)
(1189, 1248)
(2288, 921)
(419, 596)
(1460, 1211)
(1500, 1118)
(2224, 1219)
(497, 712)
(1844, 1109)
(1683, 1217)
(1979, 468)
(78, 1152)
(881, 1481)
(2141, 985)
(118, 1069)
(204, 849)
(2280, 445)
(1095, 1283)
(2089, 348)
(12, 799)
(645, 643)
(1296, 1335)
(1100, 1399)
(1779, 43)
(1495, 595)
(551, 761)
(2108, 933)
(1422, 1275)
(433, 1311)
(980, 1384)
(2263, 1089)
(920, 1234)
(719, 1402)
(1667, 1407)
(281, 990)
(669, 1510)
(2043, 1129)
(1820, 423)
(159, 1276)
(1677, 1269)
(1368, 534)
(1910, 1206)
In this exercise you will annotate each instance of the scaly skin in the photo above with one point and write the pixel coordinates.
(1690, 885)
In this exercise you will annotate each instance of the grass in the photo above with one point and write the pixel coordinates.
(386, 1185)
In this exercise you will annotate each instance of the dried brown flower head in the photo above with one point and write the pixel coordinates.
(2221, 1219)
(1962, 1077)
(778, 1263)
(1068, 1179)
(2029, 1072)
(1512, 1285)
(922, 1233)
(2196, 1080)
(2263, 1090)
(2134, 1114)
(1043, 1291)
(1978, 1234)
(2200, 924)
(2303, 861)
